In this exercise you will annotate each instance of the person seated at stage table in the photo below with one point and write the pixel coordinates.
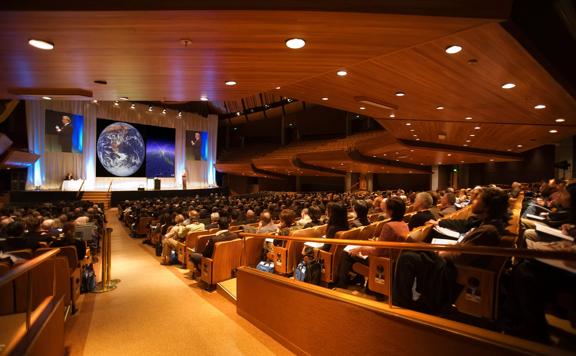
(435, 274)
(170, 241)
(361, 212)
(396, 230)
(422, 205)
(222, 235)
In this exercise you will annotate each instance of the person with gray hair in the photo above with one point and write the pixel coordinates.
(214, 218)
(447, 204)
(422, 204)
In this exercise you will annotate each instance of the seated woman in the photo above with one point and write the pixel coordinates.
(287, 225)
(361, 210)
(435, 275)
(315, 214)
(396, 230)
(338, 221)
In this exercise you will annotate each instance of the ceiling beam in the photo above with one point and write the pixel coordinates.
(460, 149)
(297, 162)
(357, 156)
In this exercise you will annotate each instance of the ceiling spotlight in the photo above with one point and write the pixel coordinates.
(477, 128)
(400, 93)
(472, 135)
(412, 130)
(237, 113)
(453, 49)
(449, 154)
(124, 98)
(324, 98)
(392, 115)
(47, 97)
(362, 108)
(230, 83)
(560, 120)
(468, 141)
(163, 111)
(295, 43)
(508, 86)
(519, 146)
(95, 101)
(468, 118)
(116, 103)
(203, 98)
(465, 145)
(277, 88)
(341, 73)
(553, 131)
(439, 108)
(40, 44)
(150, 108)
(417, 139)
(491, 159)
(509, 150)
(539, 106)
(407, 124)
(133, 107)
(461, 161)
(414, 135)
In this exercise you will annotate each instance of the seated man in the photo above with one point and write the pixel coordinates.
(170, 241)
(222, 235)
(447, 202)
(214, 217)
(422, 205)
(435, 275)
(194, 223)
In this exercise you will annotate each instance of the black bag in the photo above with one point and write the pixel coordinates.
(159, 249)
(88, 279)
(309, 272)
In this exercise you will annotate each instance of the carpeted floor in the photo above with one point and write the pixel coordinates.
(157, 311)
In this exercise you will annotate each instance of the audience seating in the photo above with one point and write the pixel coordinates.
(223, 263)
(481, 285)
(285, 257)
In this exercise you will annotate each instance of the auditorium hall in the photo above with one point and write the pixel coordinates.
(368, 177)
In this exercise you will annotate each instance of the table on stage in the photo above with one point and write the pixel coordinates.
(71, 185)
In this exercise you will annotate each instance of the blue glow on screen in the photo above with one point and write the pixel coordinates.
(77, 133)
(204, 138)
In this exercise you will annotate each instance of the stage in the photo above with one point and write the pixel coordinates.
(51, 196)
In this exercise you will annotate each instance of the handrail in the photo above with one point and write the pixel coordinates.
(476, 250)
(110, 185)
(80, 189)
(27, 266)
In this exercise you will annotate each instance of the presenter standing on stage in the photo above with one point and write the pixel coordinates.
(196, 143)
(184, 180)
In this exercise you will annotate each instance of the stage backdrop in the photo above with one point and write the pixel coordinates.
(48, 172)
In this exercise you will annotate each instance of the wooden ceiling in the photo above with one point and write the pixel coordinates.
(140, 54)
(385, 46)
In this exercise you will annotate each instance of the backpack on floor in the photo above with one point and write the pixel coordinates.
(88, 279)
(265, 266)
(309, 272)
(173, 257)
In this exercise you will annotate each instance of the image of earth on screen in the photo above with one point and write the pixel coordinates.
(133, 150)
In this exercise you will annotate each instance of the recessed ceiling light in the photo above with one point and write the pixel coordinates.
(468, 141)
(452, 49)
(472, 135)
(295, 43)
(116, 103)
(324, 98)
(411, 150)
(414, 135)
(40, 44)
(560, 120)
(439, 108)
(362, 108)
(417, 139)
(133, 106)
(508, 86)
(123, 98)
(468, 118)
(150, 108)
(461, 161)
(519, 146)
(341, 73)
(477, 128)
(449, 154)
(465, 145)
(373, 156)
(203, 98)
(384, 154)
(412, 130)
(95, 101)
(230, 83)
(509, 150)
(277, 88)
(491, 159)
(553, 131)
(407, 124)
(439, 162)
(392, 115)
(47, 98)
(400, 93)
(163, 111)
(539, 106)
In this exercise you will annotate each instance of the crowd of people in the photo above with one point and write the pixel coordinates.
(49, 225)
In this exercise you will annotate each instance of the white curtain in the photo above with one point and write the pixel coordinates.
(50, 169)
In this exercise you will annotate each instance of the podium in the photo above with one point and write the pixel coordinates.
(157, 184)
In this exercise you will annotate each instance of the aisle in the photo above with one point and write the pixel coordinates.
(155, 311)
